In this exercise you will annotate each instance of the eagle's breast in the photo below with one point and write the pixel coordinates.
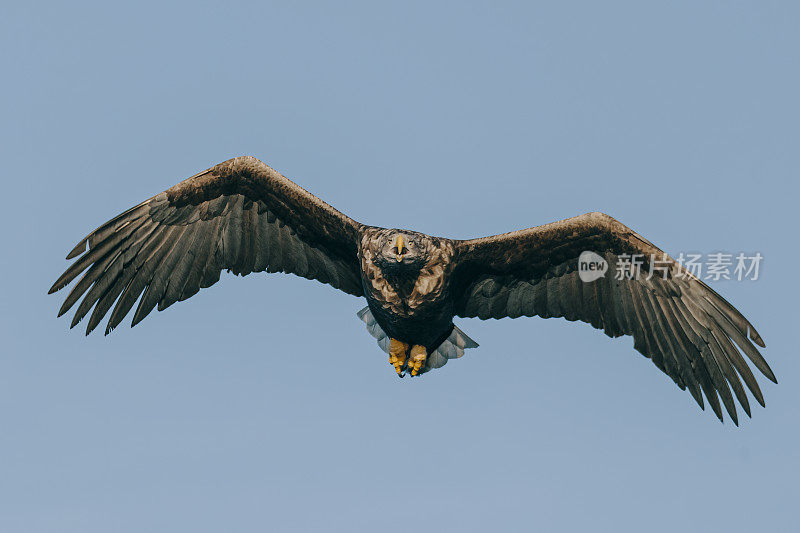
(431, 282)
(410, 298)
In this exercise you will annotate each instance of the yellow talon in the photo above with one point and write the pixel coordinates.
(397, 355)
(416, 361)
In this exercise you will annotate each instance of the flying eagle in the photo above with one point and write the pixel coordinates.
(242, 216)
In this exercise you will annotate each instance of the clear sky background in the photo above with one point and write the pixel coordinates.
(262, 404)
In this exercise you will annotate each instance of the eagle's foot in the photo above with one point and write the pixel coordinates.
(397, 355)
(416, 361)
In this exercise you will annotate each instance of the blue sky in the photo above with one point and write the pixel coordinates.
(262, 403)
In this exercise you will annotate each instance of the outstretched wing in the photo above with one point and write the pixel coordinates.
(241, 216)
(689, 331)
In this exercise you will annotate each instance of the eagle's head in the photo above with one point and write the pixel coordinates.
(402, 251)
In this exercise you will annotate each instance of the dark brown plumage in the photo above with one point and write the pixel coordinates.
(243, 216)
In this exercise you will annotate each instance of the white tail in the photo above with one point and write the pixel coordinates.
(451, 348)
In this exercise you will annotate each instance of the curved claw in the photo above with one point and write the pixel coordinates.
(397, 356)
(417, 358)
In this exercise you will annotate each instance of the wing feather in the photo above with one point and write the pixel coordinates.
(241, 216)
(689, 331)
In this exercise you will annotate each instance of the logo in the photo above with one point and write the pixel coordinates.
(591, 266)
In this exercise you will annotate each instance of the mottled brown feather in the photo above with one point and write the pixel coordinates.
(689, 331)
(240, 215)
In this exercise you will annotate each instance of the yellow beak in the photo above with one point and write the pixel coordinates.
(398, 247)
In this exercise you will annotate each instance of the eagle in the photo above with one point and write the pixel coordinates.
(242, 216)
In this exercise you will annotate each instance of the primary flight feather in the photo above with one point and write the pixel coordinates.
(243, 216)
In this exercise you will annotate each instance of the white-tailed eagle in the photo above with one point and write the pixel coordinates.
(242, 216)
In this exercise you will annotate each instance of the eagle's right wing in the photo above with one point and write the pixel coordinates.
(240, 215)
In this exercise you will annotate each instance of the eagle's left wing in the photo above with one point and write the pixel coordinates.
(688, 330)
(241, 216)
